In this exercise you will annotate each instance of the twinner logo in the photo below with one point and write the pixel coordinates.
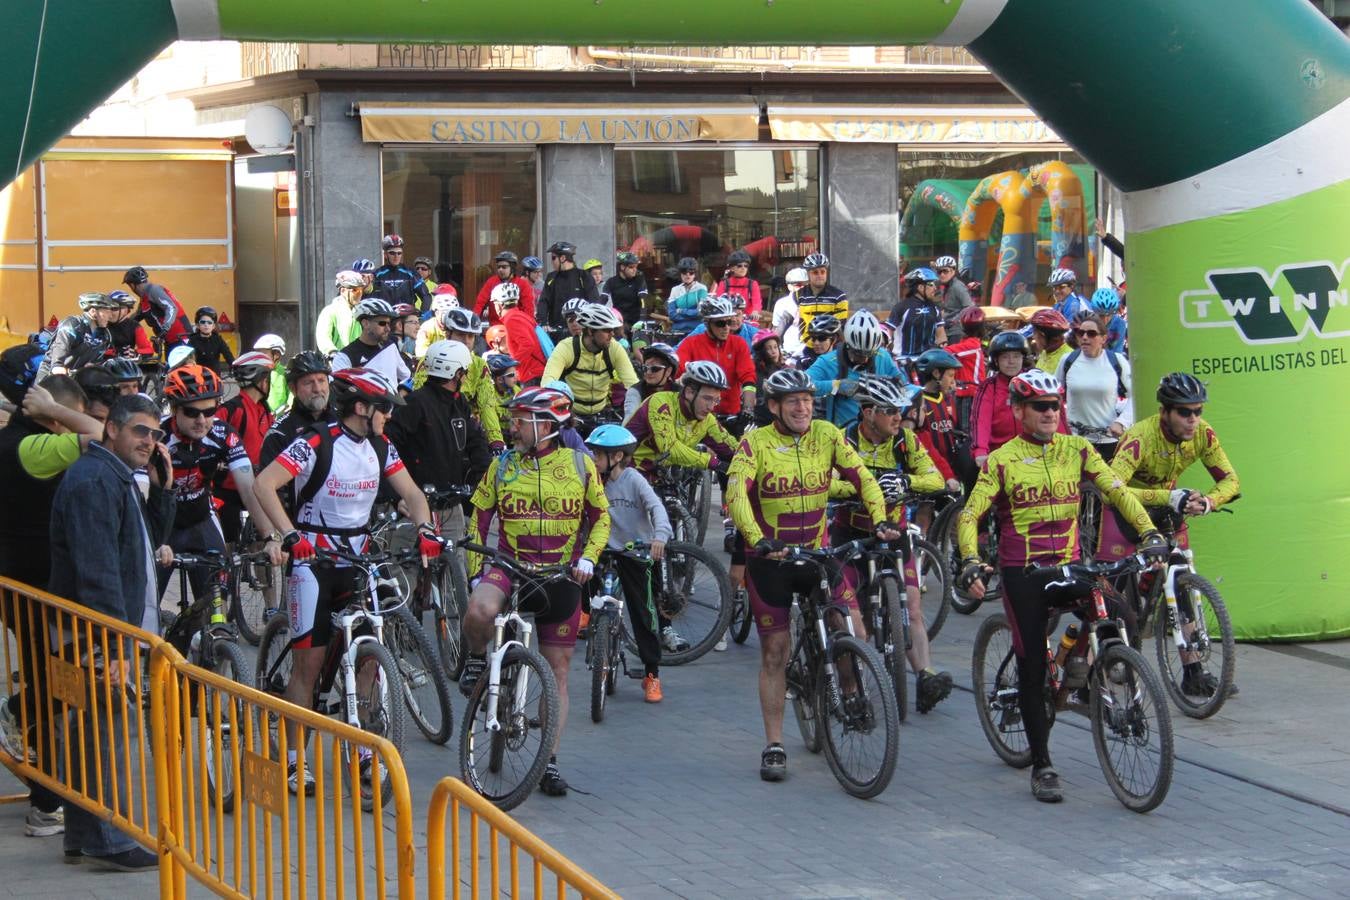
(1273, 309)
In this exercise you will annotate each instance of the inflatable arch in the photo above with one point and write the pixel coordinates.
(933, 199)
(1220, 122)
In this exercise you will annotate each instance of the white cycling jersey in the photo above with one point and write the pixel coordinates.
(338, 515)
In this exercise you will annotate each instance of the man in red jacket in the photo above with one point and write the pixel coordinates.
(730, 351)
(522, 341)
(737, 282)
(503, 272)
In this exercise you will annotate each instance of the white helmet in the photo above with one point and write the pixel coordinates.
(349, 279)
(1062, 276)
(862, 332)
(796, 275)
(180, 354)
(598, 316)
(705, 372)
(719, 307)
(446, 359)
(506, 294)
(371, 308)
(461, 319)
(945, 262)
(270, 342)
(1031, 384)
(443, 303)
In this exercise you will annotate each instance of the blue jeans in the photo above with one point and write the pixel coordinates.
(84, 830)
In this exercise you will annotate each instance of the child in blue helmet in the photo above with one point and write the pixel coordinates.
(1106, 302)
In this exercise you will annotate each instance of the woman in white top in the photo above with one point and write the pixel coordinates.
(1096, 382)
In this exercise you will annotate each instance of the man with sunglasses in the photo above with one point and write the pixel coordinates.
(953, 296)
(721, 345)
(1068, 302)
(819, 297)
(562, 284)
(1051, 330)
(375, 346)
(627, 290)
(504, 272)
(395, 282)
(1033, 485)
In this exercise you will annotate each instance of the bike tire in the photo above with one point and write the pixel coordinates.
(598, 647)
(475, 741)
(1169, 661)
(945, 539)
(228, 662)
(426, 689)
(934, 586)
(873, 701)
(1124, 720)
(379, 711)
(808, 677)
(696, 598)
(452, 589)
(993, 679)
(702, 510)
(741, 617)
(252, 580)
(892, 595)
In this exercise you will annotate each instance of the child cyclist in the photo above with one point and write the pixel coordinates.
(636, 514)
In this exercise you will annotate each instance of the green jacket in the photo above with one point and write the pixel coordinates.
(336, 327)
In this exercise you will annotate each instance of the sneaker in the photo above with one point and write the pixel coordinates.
(12, 736)
(1045, 785)
(367, 767)
(721, 644)
(651, 689)
(73, 857)
(1199, 684)
(44, 824)
(931, 688)
(137, 859)
(672, 641)
(553, 784)
(296, 774)
(773, 763)
(474, 667)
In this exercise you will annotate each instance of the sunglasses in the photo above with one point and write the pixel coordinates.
(887, 410)
(1045, 405)
(383, 407)
(384, 323)
(145, 431)
(193, 412)
(1188, 412)
(819, 339)
(394, 252)
(651, 370)
(720, 323)
(425, 268)
(206, 321)
(1087, 332)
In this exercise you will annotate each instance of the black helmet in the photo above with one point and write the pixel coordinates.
(1181, 387)
(506, 256)
(208, 311)
(97, 383)
(687, 264)
(307, 362)
(562, 248)
(627, 259)
(737, 257)
(123, 369)
(1006, 341)
(135, 275)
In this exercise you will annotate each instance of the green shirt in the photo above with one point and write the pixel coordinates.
(45, 456)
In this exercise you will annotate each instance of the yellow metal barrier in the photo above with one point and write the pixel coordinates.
(456, 799)
(228, 818)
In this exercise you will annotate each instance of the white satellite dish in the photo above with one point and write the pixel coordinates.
(268, 129)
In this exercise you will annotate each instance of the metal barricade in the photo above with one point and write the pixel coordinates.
(227, 816)
(490, 838)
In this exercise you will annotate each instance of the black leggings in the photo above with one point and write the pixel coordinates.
(1027, 604)
(638, 579)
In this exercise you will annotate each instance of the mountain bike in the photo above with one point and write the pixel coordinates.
(605, 642)
(1102, 674)
(257, 596)
(687, 494)
(943, 533)
(841, 694)
(881, 596)
(1093, 507)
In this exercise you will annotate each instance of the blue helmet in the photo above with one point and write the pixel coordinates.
(1105, 300)
(363, 266)
(532, 264)
(612, 437)
(922, 273)
(499, 363)
(560, 386)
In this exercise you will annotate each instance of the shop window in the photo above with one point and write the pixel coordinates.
(702, 203)
(461, 208)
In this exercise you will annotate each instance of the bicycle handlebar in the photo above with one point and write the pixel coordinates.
(520, 567)
(450, 496)
(214, 559)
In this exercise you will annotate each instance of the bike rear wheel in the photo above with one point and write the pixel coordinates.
(892, 644)
(695, 598)
(1200, 610)
(943, 534)
(257, 591)
(379, 711)
(862, 728)
(452, 599)
(504, 766)
(224, 720)
(426, 690)
(934, 594)
(598, 648)
(741, 617)
(993, 679)
(1131, 728)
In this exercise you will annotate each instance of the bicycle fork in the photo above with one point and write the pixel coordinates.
(1198, 639)
(495, 666)
(349, 673)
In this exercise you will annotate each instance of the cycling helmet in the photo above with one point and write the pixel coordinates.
(816, 260)
(495, 335)
(971, 315)
(368, 385)
(349, 278)
(1105, 300)
(764, 334)
(446, 288)
(391, 242)
(270, 342)
(1049, 320)
(706, 373)
(1062, 276)
(461, 319)
(506, 256)
(862, 332)
(572, 307)
(738, 258)
(532, 264)
(796, 275)
(560, 385)
(371, 308)
(944, 262)
(96, 300)
(446, 359)
(934, 360)
(875, 391)
(307, 362)
(189, 383)
(500, 363)
(363, 266)
(598, 317)
(562, 248)
(403, 310)
(687, 264)
(738, 301)
(626, 259)
(506, 294)
(122, 298)
(1181, 387)
(612, 437)
(1007, 341)
(664, 352)
(592, 263)
(123, 369)
(208, 311)
(788, 381)
(719, 307)
(1085, 314)
(443, 303)
(250, 367)
(181, 355)
(1031, 384)
(135, 275)
(922, 273)
(824, 326)
(423, 261)
(97, 383)
(542, 402)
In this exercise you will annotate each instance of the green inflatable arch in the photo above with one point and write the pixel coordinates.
(1227, 124)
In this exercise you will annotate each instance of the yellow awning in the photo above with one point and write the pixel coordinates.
(972, 126)
(578, 123)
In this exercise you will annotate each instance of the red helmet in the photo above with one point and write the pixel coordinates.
(186, 384)
(1049, 320)
(403, 310)
(971, 315)
(360, 383)
(543, 402)
(391, 242)
(1031, 384)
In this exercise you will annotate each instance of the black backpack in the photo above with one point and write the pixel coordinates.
(18, 370)
(1114, 357)
(323, 461)
(576, 359)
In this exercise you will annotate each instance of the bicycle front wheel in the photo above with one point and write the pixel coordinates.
(933, 586)
(993, 679)
(452, 599)
(223, 720)
(257, 593)
(504, 764)
(426, 690)
(741, 617)
(695, 598)
(598, 646)
(1204, 627)
(379, 711)
(702, 504)
(859, 720)
(1131, 728)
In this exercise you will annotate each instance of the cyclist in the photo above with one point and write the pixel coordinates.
(422, 267)
(1050, 329)
(337, 468)
(568, 435)
(1106, 303)
(786, 319)
(127, 373)
(502, 367)
(279, 397)
(1151, 456)
(970, 351)
(545, 497)
(522, 336)
(992, 421)
(739, 326)
(208, 346)
(373, 347)
(395, 282)
(366, 269)
(1097, 384)
(626, 291)
(1068, 302)
(432, 329)
(918, 317)
(570, 310)
(896, 458)
(435, 432)
(503, 272)
(532, 268)
(736, 281)
(1032, 485)
(128, 338)
(336, 326)
(819, 297)
(836, 374)
(592, 362)
(158, 306)
(953, 296)
(404, 332)
(682, 306)
(562, 284)
(495, 339)
(670, 424)
(463, 326)
(247, 414)
(636, 514)
(729, 351)
(307, 380)
(81, 340)
(937, 424)
(767, 353)
(596, 270)
(659, 363)
(821, 337)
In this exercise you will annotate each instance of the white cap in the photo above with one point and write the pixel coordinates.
(796, 275)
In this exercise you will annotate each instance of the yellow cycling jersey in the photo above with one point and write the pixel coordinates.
(588, 374)
(902, 453)
(667, 437)
(1150, 463)
(1034, 490)
(778, 483)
